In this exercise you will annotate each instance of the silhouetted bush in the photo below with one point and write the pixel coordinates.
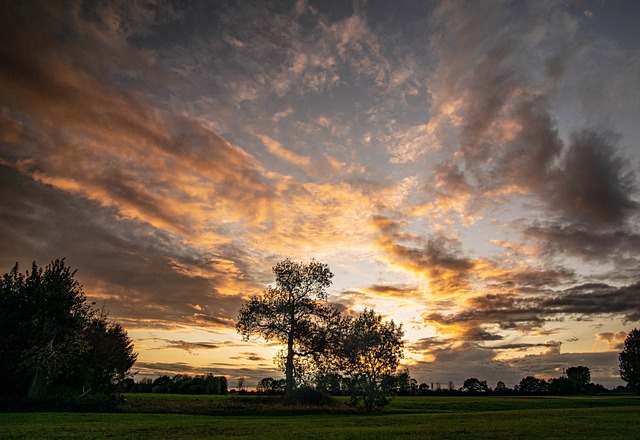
(309, 396)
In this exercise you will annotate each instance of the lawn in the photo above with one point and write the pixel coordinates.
(599, 417)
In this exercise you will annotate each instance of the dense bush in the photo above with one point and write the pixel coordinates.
(53, 343)
(181, 384)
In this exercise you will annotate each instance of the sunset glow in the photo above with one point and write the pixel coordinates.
(467, 169)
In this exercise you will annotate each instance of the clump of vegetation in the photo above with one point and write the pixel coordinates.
(54, 346)
(307, 395)
(630, 360)
(179, 384)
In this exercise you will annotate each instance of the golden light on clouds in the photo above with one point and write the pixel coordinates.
(438, 161)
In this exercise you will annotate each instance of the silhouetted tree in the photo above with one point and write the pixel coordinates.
(580, 377)
(271, 386)
(291, 313)
(331, 383)
(475, 386)
(630, 360)
(370, 351)
(402, 384)
(51, 338)
(501, 388)
(423, 389)
(562, 386)
(532, 385)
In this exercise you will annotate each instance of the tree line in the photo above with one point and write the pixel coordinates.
(178, 384)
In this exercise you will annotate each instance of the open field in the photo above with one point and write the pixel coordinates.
(599, 417)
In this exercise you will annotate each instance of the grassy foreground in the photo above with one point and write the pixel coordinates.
(439, 418)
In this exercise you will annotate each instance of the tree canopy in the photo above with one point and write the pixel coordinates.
(292, 313)
(370, 351)
(630, 360)
(51, 339)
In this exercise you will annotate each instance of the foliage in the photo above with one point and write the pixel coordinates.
(475, 386)
(630, 360)
(310, 396)
(182, 384)
(580, 376)
(292, 313)
(532, 385)
(52, 341)
(369, 352)
(269, 385)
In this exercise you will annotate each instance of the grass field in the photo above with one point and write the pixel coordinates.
(597, 417)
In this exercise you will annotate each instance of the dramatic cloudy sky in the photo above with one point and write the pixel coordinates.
(469, 169)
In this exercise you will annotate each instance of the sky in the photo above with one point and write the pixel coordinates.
(467, 169)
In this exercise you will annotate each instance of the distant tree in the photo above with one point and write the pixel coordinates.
(532, 385)
(291, 313)
(630, 360)
(331, 382)
(50, 338)
(402, 384)
(271, 386)
(501, 388)
(370, 352)
(423, 389)
(475, 386)
(580, 377)
(562, 386)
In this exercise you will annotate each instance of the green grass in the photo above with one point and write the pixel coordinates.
(598, 417)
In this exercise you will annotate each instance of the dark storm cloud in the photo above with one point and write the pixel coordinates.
(589, 244)
(525, 346)
(532, 278)
(479, 334)
(187, 346)
(427, 344)
(528, 312)
(508, 139)
(250, 356)
(593, 185)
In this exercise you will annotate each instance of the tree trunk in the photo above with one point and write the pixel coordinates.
(38, 386)
(289, 367)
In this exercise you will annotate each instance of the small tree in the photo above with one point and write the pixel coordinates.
(501, 388)
(271, 386)
(370, 351)
(532, 385)
(292, 313)
(475, 386)
(580, 378)
(630, 360)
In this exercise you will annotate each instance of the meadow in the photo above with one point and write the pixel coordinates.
(194, 417)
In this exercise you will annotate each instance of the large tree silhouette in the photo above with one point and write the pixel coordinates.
(292, 313)
(369, 353)
(630, 360)
(50, 336)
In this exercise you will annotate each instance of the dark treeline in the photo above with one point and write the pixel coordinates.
(179, 384)
(574, 381)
